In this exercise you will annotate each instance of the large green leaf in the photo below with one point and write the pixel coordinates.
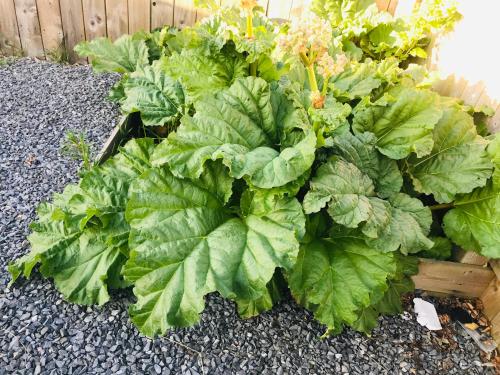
(338, 11)
(336, 278)
(239, 127)
(158, 98)
(402, 120)
(203, 75)
(124, 55)
(81, 239)
(389, 302)
(248, 308)
(346, 190)
(186, 244)
(474, 223)
(457, 163)
(360, 150)
(358, 81)
(331, 120)
(408, 228)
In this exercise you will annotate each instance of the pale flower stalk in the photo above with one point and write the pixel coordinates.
(328, 67)
(248, 6)
(310, 38)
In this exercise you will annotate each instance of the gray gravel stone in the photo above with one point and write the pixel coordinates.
(42, 334)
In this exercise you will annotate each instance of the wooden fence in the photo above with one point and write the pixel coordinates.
(39, 27)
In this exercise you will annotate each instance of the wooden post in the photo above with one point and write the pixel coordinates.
(491, 301)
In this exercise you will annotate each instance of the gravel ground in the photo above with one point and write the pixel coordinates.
(40, 333)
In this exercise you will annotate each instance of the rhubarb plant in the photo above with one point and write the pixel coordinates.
(292, 160)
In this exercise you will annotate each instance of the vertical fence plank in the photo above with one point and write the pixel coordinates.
(297, 9)
(162, 13)
(29, 27)
(116, 18)
(279, 9)
(74, 30)
(393, 4)
(94, 18)
(49, 15)
(471, 93)
(382, 4)
(10, 43)
(184, 13)
(139, 16)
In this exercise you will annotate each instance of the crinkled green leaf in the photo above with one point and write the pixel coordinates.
(340, 10)
(389, 302)
(239, 127)
(205, 75)
(350, 196)
(457, 163)
(345, 189)
(185, 244)
(408, 228)
(331, 120)
(474, 223)
(81, 239)
(440, 250)
(402, 121)
(124, 55)
(360, 150)
(273, 294)
(158, 98)
(336, 278)
(358, 81)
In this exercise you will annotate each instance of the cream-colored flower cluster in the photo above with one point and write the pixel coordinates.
(329, 67)
(308, 35)
(248, 5)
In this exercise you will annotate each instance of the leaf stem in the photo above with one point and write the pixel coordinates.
(312, 78)
(324, 89)
(442, 206)
(250, 25)
(253, 69)
(304, 59)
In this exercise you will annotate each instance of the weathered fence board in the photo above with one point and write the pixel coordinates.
(139, 16)
(162, 13)
(116, 18)
(10, 43)
(29, 27)
(279, 9)
(74, 29)
(94, 18)
(49, 15)
(184, 13)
